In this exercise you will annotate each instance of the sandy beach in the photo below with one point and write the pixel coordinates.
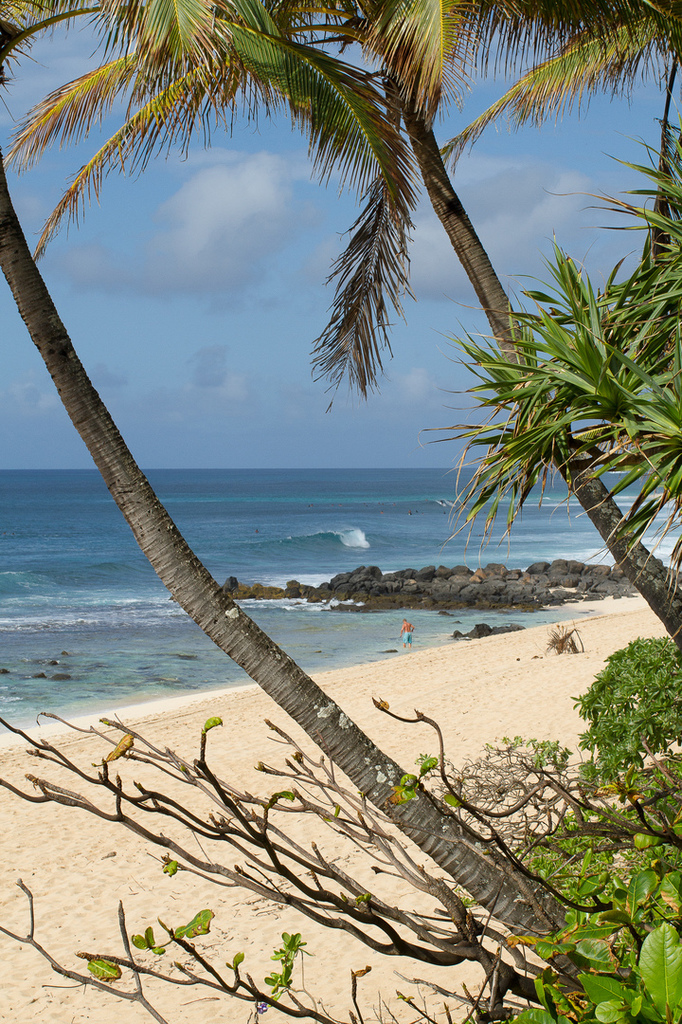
(79, 867)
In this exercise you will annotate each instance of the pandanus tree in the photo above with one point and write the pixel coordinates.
(597, 381)
(514, 897)
(643, 42)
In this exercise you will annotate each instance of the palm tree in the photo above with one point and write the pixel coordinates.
(418, 53)
(173, 102)
(610, 55)
(617, 38)
(417, 77)
(597, 383)
(513, 896)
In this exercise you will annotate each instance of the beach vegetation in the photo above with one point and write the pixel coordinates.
(564, 640)
(594, 392)
(609, 856)
(183, 42)
(628, 957)
(634, 707)
(435, 826)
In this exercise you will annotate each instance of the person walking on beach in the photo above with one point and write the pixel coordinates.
(406, 631)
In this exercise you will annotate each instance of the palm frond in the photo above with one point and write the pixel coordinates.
(71, 111)
(21, 23)
(585, 66)
(511, 33)
(350, 130)
(424, 45)
(162, 30)
(174, 116)
(349, 127)
(372, 276)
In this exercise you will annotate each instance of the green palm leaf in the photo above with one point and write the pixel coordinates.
(370, 274)
(333, 103)
(586, 65)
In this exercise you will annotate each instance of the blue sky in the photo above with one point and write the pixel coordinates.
(193, 293)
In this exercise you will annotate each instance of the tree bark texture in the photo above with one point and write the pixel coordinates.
(655, 582)
(459, 229)
(646, 572)
(493, 883)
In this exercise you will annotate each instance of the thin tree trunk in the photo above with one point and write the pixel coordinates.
(493, 883)
(659, 238)
(459, 229)
(655, 582)
(646, 572)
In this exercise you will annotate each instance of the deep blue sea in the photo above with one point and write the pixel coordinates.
(77, 597)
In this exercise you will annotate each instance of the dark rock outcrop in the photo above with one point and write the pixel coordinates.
(482, 629)
(493, 586)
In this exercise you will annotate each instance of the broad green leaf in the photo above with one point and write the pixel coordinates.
(171, 867)
(644, 841)
(534, 1016)
(104, 970)
(601, 989)
(597, 954)
(140, 942)
(237, 960)
(610, 1011)
(199, 925)
(614, 917)
(670, 891)
(428, 764)
(640, 888)
(660, 964)
(549, 949)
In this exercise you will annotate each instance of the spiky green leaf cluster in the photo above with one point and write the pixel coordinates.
(597, 388)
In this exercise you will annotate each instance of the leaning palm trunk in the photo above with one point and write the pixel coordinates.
(647, 573)
(493, 884)
(656, 583)
(459, 229)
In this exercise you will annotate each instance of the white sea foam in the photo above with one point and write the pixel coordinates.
(354, 538)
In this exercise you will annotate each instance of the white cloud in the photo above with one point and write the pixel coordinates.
(415, 387)
(221, 232)
(210, 372)
(222, 225)
(29, 398)
(516, 208)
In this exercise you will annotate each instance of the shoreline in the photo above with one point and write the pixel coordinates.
(79, 867)
(158, 707)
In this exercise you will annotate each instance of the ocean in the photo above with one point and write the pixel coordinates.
(79, 600)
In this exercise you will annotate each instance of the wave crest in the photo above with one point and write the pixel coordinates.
(354, 538)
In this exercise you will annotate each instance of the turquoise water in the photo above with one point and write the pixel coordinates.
(78, 598)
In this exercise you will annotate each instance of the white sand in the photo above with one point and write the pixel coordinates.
(80, 867)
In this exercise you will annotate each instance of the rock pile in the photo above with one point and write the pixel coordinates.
(495, 586)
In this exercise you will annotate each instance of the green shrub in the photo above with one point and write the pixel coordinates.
(637, 699)
(628, 956)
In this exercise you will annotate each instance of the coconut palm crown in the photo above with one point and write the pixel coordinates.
(364, 81)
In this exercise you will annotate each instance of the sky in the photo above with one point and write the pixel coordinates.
(194, 292)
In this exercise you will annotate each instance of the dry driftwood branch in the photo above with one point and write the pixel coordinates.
(511, 798)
